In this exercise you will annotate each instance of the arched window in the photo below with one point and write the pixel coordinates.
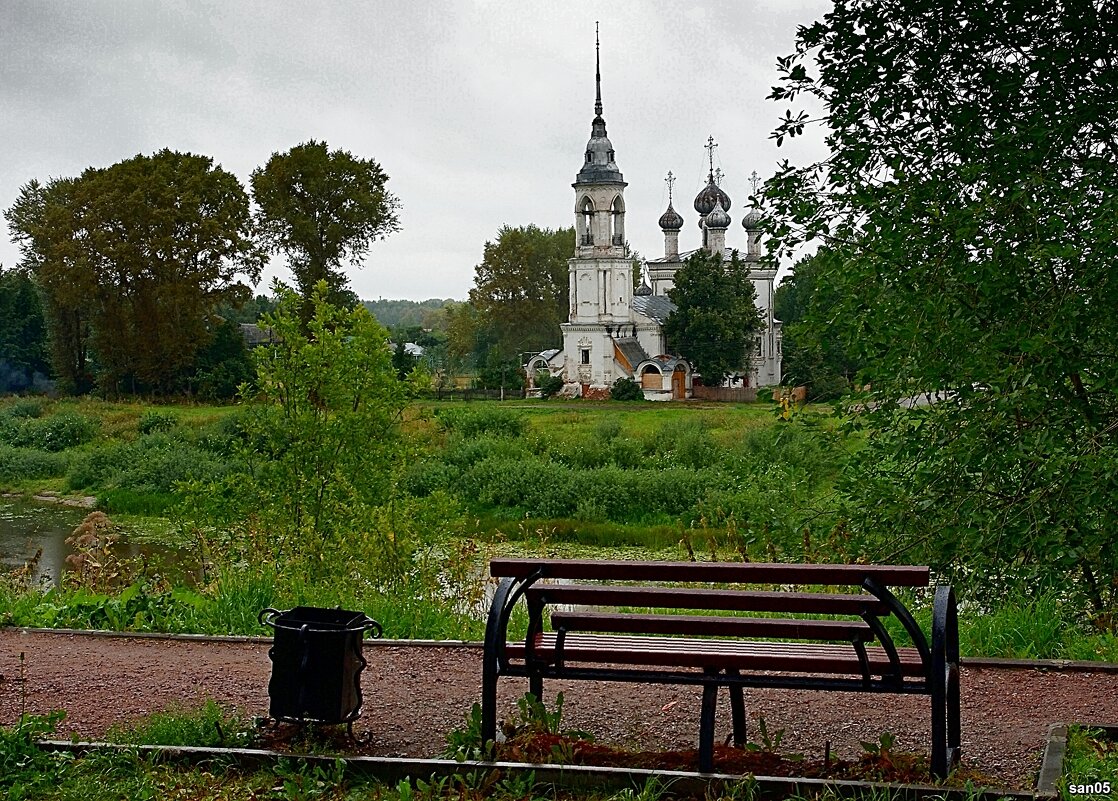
(586, 222)
(618, 222)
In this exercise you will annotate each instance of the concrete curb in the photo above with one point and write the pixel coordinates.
(973, 662)
(390, 771)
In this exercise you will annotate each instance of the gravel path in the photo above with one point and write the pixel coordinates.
(415, 694)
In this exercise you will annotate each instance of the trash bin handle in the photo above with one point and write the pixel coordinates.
(271, 614)
(372, 625)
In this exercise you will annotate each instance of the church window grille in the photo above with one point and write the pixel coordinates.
(585, 355)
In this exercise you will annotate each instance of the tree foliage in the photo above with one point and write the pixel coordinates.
(813, 354)
(972, 176)
(23, 336)
(131, 260)
(716, 316)
(521, 287)
(323, 209)
(322, 435)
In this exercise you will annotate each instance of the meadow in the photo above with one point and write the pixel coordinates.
(671, 481)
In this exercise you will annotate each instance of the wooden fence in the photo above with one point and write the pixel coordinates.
(725, 394)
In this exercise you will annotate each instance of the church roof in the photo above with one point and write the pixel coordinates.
(599, 166)
(727, 254)
(632, 350)
(655, 307)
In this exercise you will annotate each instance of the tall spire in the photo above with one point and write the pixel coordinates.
(597, 72)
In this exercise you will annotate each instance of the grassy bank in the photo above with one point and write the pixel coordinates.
(558, 478)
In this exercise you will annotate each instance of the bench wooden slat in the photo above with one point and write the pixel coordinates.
(740, 572)
(719, 600)
(713, 626)
(741, 655)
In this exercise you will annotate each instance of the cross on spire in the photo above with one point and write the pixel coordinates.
(597, 72)
(670, 181)
(754, 179)
(718, 176)
(710, 146)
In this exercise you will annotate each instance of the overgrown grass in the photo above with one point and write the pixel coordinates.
(1090, 765)
(206, 726)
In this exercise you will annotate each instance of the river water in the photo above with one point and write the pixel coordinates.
(26, 528)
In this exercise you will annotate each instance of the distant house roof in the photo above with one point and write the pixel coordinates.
(255, 336)
(655, 307)
(410, 348)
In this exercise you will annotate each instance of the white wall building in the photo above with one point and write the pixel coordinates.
(614, 332)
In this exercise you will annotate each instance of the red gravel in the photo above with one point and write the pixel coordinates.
(415, 694)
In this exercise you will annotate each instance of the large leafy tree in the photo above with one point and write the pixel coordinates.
(23, 337)
(521, 287)
(716, 316)
(813, 354)
(132, 259)
(323, 209)
(974, 149)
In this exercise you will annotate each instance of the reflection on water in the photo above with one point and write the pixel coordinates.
(25, 528)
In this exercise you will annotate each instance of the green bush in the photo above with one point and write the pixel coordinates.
(28, 463)
(56, 433)
(475, 421)
(24, 408)
(153, 464)
(550, 385)
(152, 422)
(626, 389)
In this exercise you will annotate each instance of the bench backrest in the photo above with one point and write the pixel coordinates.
(714, 572)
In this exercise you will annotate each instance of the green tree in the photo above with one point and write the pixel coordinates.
(322, 435)
(716, 318)
(224, 364)
(521, 289)
(323, 209)
(132, 260)
(812, 355)
(972, 177)
(23, 337)
(43, 221)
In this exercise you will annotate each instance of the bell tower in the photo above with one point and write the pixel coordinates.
(600, 272)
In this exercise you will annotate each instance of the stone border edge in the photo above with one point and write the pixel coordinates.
(1055, 748)
(391, 770)
(974, 662)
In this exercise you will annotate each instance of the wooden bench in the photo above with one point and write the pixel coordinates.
(595, 634)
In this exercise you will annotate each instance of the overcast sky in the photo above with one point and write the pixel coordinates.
(478, 111)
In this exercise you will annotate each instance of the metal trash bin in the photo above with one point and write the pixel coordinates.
(316, 663)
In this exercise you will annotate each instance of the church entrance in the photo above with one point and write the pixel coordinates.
(651, 378)
(679, 384)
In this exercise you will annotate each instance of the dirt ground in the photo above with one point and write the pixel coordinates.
(415, 694)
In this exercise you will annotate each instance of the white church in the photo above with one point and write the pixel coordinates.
(615, 332)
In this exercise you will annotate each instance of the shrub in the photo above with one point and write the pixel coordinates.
(24, 408)
(472, 422)
(626, 389)
(152, 422)
(56, 433)
(154, 464)
(28, 463)
(550, 385)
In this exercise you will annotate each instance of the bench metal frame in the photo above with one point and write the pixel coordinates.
(939, 660)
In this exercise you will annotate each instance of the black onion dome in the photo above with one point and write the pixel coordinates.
(710, 196)
(670, 220)
(718, 218)
(752, 221)
(643, 290)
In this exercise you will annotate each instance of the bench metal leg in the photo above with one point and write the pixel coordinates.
(944, 681)
(706, 727)
(535, 686)
(488, 698)
(737, 710)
